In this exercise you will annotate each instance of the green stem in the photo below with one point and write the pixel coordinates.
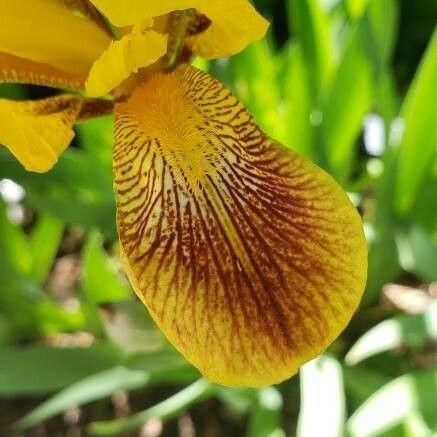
(177, 37)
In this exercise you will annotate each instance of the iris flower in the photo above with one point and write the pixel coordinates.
(249, 258)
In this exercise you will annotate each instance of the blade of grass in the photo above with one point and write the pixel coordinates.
(405, 330)
(265, 419)
(390, 405)
(40, 369)
(101, 283)
(322, 397)
(91, 388)
(165, 410)
(312, 26)
(44, 241)
(419, 141)
(344, 107)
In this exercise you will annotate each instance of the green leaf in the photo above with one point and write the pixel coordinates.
(12, 91)
(424, 212)
(405, 330)
(129, 326)
(96, 137)
(101, 282)
(298, 104)
(383, 20)
(91, 388)
(237, 399)
(165, 410)
(311, 24)
(357, 391)
(78, 190)
(265, 420)
(418, 253)
(356, 8)
(44, 241)
(15, 249)
(391, 404)
(166, 365)
(347, 101)
(322, 397)
(35, 370)
(419, 141)
(383, 259)
(256, 84)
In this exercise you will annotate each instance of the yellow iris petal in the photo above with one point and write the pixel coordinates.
(136, 49)
(250, 258)
(19, 70)
(47, 32)
(234, 23)
(37, 132)
(87, 9)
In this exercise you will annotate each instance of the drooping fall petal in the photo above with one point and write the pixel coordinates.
(48, 32)
(137, 49)
(14, 69)
(37, 132)
(234, 23)
(250, 258)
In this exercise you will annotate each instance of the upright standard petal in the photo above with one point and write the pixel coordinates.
(234, 23)
(37, 132)
(88, 9)
(135, 50)
(48, 32)
(14, 69)
(250, 258)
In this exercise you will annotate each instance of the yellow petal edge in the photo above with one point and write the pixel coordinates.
(14, 69)
(250, 258)
(37, 132)
(234, 23)
(135, 50)
(48, 32)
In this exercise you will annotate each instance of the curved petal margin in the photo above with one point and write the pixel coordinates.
(250, 258)
(234, 23)
(37, 132)
(48, 32)
(137, 49)
(14, 69)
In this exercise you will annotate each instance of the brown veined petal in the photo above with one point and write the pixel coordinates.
(14, 69)
(37, 132)
(250, 258)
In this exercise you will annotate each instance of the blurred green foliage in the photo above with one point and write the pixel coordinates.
(352, 84)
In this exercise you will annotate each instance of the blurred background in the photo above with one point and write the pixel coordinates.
(351, 84)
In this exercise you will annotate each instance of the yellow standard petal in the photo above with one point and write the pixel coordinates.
(250, 258)
(88, 10)
(234, 23)
(14, 69)
(137, 49)
(48, 32)
(37, 132)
